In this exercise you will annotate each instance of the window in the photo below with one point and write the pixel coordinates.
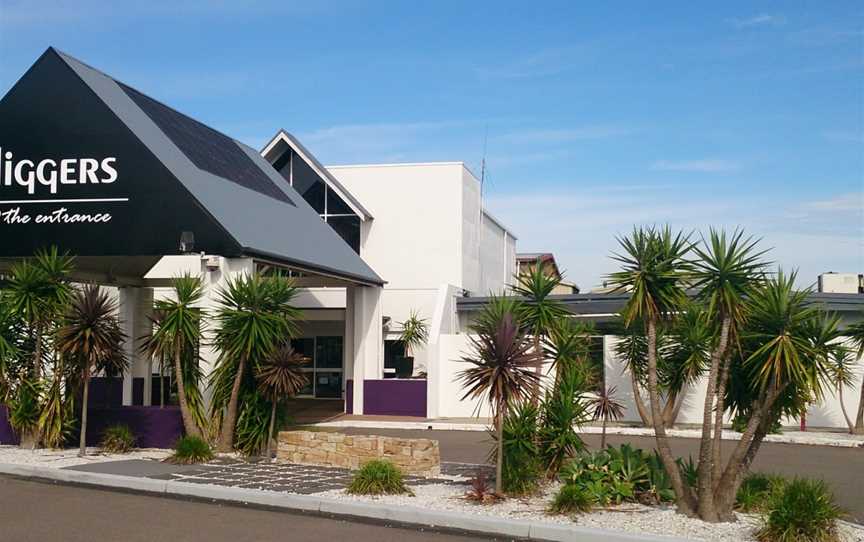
(395, 364)
(324, 369)
(348, 228)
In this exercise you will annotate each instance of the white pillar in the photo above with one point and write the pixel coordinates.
(348, 347)
(134, 307)
(368, 340)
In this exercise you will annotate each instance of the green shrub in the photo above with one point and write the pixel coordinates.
(572, 499)
(564, 410)
(689, 471)
(801, 511)
(378, 477)
(756, 490)
(521, 470)
(117, 439)
(191, 449)
(253, 424)
(616, 475)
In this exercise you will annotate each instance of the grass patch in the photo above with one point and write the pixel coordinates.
(378, 477)
(572, 499)
(756, 491)
(190, 450)
(117, 439)
(801, 511)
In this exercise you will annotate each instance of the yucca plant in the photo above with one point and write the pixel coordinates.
(191, 449)
(254, 317)
(565, 409)
(539, 313)
(415, 333)
(117, 439)
(378, 477)
(91, 338)
(606, 407)
(801, 511)
(177, 336)
(500, 372)
(280, 376)
(653, 271)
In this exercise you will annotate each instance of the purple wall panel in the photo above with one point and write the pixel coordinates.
(349, 397)
(393, 397)
(7, 435)
(153, 427)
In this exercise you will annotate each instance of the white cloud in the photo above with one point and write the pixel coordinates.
(706, 165)
(762, 19)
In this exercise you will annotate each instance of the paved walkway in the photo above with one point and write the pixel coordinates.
(251, 474)
(36, 512)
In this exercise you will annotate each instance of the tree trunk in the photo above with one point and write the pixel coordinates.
(538, 370)
(162, 386)
(843, 409)
(719, 410)
(270, 432)
(226, 436)
(499, 463)
(82, 440)
(189, 424)
(724, 499)
(859, 419)
(669, 410)
(745, 450)
(603, 435)
(705, 489)
(37, 353)
(682, 395)
(640, 403)
(684, 496)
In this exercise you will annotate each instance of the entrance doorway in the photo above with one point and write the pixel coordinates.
(325, 365)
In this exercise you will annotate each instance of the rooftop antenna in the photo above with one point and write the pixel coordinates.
(480, 221)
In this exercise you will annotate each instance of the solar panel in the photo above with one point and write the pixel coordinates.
(208, 149)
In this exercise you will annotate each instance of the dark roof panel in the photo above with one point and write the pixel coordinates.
(208, 149)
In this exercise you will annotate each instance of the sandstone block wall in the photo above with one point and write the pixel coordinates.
(419, 457)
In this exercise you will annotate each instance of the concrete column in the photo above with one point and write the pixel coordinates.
(348, 344)
(368, 340)
(134, 307)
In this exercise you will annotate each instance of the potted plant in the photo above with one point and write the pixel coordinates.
(415, 334)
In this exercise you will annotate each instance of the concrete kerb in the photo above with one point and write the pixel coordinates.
(405, 515)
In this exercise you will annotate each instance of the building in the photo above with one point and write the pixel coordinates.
(528, 261)
(140, 193)
(423, 228)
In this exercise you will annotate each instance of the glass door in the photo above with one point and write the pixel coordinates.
(325, 366)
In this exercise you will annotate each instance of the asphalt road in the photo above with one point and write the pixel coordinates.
(36, 512)
(841, 468)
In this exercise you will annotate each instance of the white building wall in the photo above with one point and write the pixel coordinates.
(471, 225)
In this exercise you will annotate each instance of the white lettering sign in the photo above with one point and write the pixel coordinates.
(62, 215)
(49, 173)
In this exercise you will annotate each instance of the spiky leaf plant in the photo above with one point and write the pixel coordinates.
(280, 376)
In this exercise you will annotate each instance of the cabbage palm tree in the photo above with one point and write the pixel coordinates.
(500, 372)
(653, 271)
(539, 312)
(280, 376)
(254, 317)
(415, 333)
(567, 343)
(178, 334)
(725, 270)
(91, 338)
(606, 407)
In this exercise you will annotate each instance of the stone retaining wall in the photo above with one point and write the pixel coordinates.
(419, 457)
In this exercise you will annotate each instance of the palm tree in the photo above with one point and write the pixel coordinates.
(567, 343)
(787, 366)
(178, 334)
(255, 316)
(653, 272)
(684, 358)
(91, 337)
(280, 376)
(415, 333)
(606, 407)
(156, 351)
(856, 333)
(725, 270)
(539, 312)
(500, 373)
(843, 376)
(38, 291)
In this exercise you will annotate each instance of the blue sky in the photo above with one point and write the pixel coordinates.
(595, 115)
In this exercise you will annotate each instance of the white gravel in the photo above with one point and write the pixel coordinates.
(632, 518)
(67, 458)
